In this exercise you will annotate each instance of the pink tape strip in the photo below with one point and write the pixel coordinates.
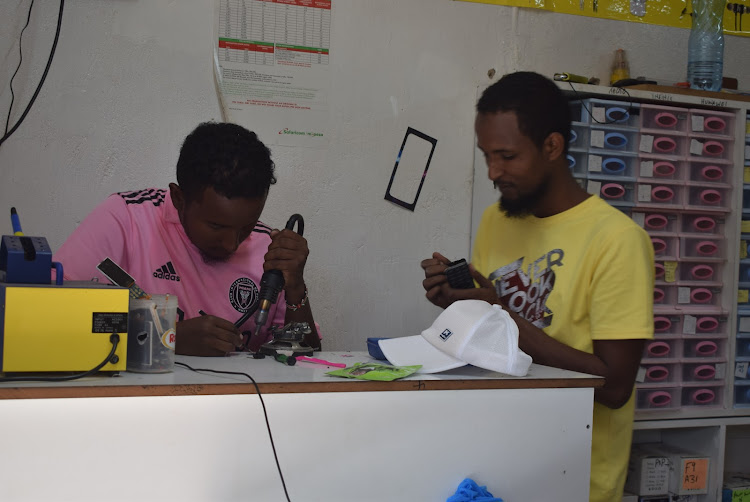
(713, 148)
(656, 221)
(703, 396)
(712, 173)
(704, 372)
(704, 223)
(658, 349)
(657, 373)
(613, 191)
(662, 194)
(702, 272)
(707, 324)
(659, 398)
(320, 361)
(706, 348)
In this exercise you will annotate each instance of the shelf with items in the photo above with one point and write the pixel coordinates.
(721, 444)
(670, 167)
(686, 174)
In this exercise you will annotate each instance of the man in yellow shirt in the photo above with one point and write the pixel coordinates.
(576, 274)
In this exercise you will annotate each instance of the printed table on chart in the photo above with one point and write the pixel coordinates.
(267, 32)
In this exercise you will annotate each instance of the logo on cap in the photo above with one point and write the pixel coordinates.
(446, 334)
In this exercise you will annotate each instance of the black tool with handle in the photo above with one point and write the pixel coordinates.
(272, 281)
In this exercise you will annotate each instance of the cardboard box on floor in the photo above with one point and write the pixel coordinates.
(648, 470)
(660, 469)
(688, 470)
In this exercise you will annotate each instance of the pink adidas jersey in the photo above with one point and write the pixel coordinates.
(141, 232)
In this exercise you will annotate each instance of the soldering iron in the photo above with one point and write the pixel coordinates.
(272, 281)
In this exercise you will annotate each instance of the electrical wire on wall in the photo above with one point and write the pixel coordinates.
(9, 132)
(20, 61)
(265, 413)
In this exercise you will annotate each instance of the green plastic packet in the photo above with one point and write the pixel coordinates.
(375, 371)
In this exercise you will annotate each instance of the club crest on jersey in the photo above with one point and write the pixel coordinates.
(243, 294)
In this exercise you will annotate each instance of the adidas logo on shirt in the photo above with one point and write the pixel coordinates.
(167, 272)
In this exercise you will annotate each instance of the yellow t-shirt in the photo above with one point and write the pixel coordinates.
(581, 275)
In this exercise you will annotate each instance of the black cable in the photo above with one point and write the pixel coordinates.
(265, 413)
(239, 322)
(44, 76)
(114, 338)
(630, 104)
(20, 60)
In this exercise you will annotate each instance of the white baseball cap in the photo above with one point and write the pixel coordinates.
(467, 332)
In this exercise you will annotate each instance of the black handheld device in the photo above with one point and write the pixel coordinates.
(459, 276)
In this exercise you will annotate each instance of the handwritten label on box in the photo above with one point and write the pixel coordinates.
(695, 474)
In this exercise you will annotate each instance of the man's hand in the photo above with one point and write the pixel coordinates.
(436, 282)
(439, 292)
(486, 290)
(288, 253)
(207, 336)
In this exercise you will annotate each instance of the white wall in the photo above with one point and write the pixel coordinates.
(132, 77)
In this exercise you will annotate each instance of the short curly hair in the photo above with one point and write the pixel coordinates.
(226, 157)
(540, 106)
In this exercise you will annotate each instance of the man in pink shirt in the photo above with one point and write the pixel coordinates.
(202, 240)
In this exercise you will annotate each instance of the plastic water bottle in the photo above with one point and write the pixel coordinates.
(706, 45)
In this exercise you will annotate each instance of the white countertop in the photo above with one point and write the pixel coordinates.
(274, 376)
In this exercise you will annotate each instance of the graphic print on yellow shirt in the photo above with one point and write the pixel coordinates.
(526, 291)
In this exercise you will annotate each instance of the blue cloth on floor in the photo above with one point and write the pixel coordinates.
(469, 491)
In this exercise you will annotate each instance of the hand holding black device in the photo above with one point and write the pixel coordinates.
(459, 275)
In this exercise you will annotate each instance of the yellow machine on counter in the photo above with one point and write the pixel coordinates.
(62, 327)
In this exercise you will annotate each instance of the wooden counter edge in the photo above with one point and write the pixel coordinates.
(55, 392)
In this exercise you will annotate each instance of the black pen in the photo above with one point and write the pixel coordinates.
(244, 343)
